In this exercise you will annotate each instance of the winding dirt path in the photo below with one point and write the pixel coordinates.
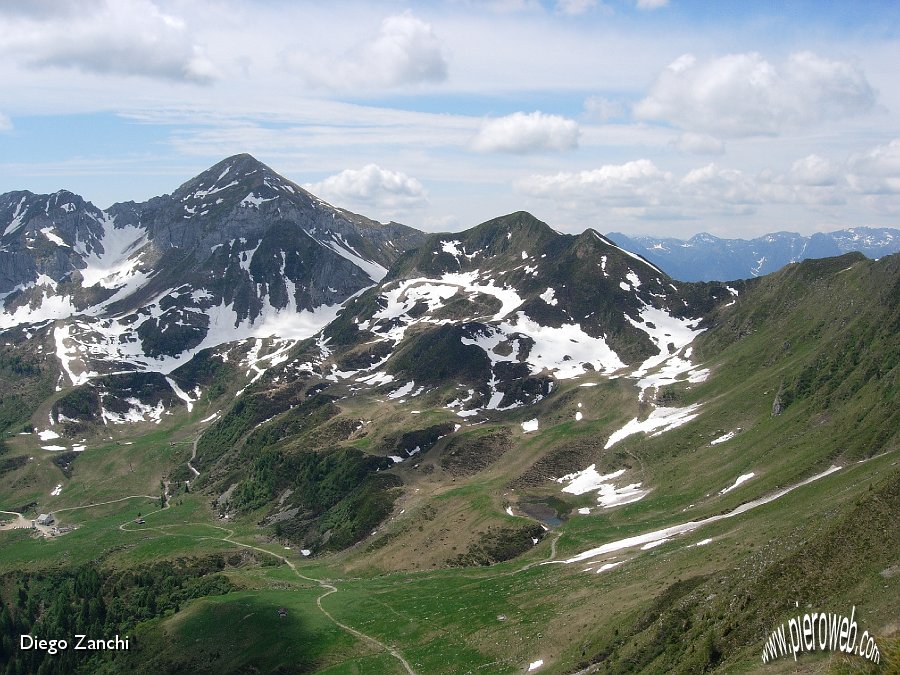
(112, 501)
(327, 587)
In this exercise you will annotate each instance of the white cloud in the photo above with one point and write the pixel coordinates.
(717, 188)
(699, 144)
(406, 52)
(877, 171)
(527, 132)
(372, 186)
(642, 189)
(816, 171)
(574, 7)
(639, 182)
(5, 123)
(121, 37)
(651, 4)
(746, 95)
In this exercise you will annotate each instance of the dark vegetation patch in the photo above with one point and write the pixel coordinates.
(437, 355)
(336, 497)
(522, 388)
(98, 602)
(65, 462)
(467, 454)
(568, 459)
(331, 432)
(171, 333)
(81, 404)
(358, 514)
(25, 381)
(499, 544)
(254, 408)
(344, 329)
(207, 370)
(424, 439)
(10, 464)
(364, 356)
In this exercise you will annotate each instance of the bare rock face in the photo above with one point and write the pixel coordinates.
(778, 405)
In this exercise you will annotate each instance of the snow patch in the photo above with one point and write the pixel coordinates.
(402, 391)
(188, 401)
(740, 479)
(52, 236)
(587, 480)
(658, 421)
(722, 439)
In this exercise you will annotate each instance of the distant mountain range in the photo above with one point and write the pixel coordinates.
(708, 258)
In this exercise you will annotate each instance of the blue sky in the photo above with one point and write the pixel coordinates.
(643, 116)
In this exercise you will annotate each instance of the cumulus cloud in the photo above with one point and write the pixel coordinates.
(527, 132)
(639, 182)
(642, 188)
(406, 51)
(746, 95)
(816, 171)
(121, 37)
(876, 171)
(372, 186)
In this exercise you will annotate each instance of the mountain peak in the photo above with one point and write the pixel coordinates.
(236, 167)
(237, 179)
(519, 227)
(242, 164)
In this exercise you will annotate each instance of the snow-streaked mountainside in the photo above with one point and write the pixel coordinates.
(490, 319)
(705, 257)
(236, 252)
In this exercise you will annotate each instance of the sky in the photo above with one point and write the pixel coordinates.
(660, 117)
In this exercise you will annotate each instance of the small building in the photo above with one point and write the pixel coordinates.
(45, 519)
